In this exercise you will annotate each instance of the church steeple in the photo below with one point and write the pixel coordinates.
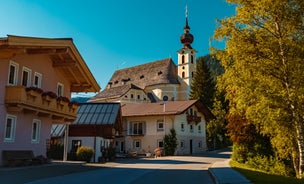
(186, 38)
(186, 59)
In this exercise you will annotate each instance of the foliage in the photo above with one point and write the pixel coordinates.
(264, 79)
(261, 177)
(84, 153)
(170, 143)
(202, 86)
(55, 151)
(50, 94)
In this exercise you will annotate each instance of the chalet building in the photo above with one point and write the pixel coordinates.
(146, 124)
(37, 78)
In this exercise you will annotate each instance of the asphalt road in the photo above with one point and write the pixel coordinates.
(175, 169)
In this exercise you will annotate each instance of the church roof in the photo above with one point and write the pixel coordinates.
(138, 77)
(114, 92)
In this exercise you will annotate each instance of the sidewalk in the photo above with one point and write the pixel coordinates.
(224, 174)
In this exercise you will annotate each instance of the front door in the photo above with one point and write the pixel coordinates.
(191, 146)
(122, 146)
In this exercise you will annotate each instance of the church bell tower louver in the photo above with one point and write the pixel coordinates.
(186, 58)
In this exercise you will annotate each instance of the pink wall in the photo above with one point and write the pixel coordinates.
(50, 77)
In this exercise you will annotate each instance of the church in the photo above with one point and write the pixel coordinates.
(154, 99)
(154, 81)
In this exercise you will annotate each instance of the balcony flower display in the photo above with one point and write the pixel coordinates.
(63, 99)
(35, 89)
(73, 103)
(49, 94)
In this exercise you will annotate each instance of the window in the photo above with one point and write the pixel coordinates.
(182, 144)
(200, 144)
(136, 128)
(199, 128)
(36, 130)
(10, 128)
(37, 80)
(132, 96)
(160, 125)
(192, 59)
(191, 128)
(26, 77)
(137, 144)
(138, 97)
(183, 75)
(160, 143)
(76, 144)
(60, 89)
(183, 59)
(182, 127)
(13, 74)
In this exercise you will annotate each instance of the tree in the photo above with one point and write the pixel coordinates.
(202, 86)
(170, 142)
(264, 78)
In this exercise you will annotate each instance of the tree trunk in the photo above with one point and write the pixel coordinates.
(300, 142)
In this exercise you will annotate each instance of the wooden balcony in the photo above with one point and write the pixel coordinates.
(17, 99)
(192, 118)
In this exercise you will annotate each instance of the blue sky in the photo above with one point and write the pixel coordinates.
(116, 34)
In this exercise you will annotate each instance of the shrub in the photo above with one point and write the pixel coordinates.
(84, 153)
(55, 151)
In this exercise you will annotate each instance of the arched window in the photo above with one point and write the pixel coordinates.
(183, 59)
(191, 58)
(183, 75)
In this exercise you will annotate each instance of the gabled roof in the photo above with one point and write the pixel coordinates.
(157, 72)
(115, 92)
(97, 114)
(152, 109)
(61, 51)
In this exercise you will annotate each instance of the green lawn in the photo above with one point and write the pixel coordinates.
(260, 177)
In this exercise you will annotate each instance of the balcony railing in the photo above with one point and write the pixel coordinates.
(192, 118)
(18, 99)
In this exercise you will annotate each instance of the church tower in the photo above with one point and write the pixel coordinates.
(186, 59)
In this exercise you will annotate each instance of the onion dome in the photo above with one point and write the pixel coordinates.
(187, 38)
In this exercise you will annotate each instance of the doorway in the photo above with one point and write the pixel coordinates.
(191, 147)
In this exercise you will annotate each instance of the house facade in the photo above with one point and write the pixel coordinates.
(37, 78)
(146, 125)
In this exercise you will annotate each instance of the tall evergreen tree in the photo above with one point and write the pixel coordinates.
(264, 78)
(202, 86)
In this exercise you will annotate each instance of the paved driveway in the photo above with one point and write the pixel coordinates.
(175, 169)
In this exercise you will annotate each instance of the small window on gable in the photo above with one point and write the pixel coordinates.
(60, 88)
(183, 59)
(13, 74)
(37, 80)
(126, 96)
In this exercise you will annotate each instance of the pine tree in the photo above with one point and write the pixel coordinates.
(202, 86)
(264, 78)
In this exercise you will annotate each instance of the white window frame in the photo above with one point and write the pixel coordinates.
(12, 130)
(39, 76)
(60, 89)
(191, 128)
(182, 144)
(182, 127)
(29, 75)
(35, 136)
(135, 124)
(199, 127)
(159, 123)
(15, 77)
(135, 144)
